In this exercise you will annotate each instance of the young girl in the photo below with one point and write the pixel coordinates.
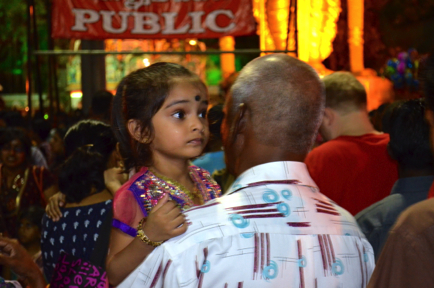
(164, 122)
(29, 232)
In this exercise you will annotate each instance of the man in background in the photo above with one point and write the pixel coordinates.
(353, 167)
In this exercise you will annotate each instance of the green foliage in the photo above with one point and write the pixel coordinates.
(13, 39)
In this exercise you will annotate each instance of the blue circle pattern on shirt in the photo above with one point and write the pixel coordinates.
(206, 267)
(338, 267)
(239, 221)
(287, 194)
(365, 257)
(247, 235)
(284, 209)
(302, 262)
(271, 271)
(75, 233)
(270, 196)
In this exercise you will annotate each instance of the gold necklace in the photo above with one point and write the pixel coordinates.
(192, 195)
(15, 185)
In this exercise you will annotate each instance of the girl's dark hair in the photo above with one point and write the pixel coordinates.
(59, 131)
(88, 146)
(33, 214)
(118, 123)
(9, 134)
(144, 92)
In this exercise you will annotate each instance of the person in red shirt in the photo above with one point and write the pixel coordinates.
(353, 167)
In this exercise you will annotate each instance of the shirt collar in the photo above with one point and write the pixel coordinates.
(274, 171)
(412, 185)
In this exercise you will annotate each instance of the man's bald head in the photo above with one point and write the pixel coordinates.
(285, 97)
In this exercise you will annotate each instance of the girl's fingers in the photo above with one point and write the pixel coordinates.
(172, 214)
(179, 230)
(160, 203)
(177, 221)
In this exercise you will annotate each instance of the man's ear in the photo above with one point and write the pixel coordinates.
(329, 117)
(135, 131)
(240, 119)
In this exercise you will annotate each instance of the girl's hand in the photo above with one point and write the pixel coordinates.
(114, 178)
(165, 221)
(52, 209)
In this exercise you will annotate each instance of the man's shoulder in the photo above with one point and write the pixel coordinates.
(272, 209)
(417, 219)
(343, 146)
(380, 213)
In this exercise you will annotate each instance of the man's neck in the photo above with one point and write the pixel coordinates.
(258, 154)
(404, 172)
(356, 123)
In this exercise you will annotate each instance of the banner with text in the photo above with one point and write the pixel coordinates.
(146, 19)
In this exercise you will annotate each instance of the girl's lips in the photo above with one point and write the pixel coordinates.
(197, 141)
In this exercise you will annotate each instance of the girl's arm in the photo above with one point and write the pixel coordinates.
(127, 253)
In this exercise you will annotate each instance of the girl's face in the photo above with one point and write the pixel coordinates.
(181, 127)
(13, 154)
(28, 232)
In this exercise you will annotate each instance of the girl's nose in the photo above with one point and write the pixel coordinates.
(198, 124)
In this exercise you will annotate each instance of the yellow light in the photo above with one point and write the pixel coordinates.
(146, 62)
(27, 109)
(76, 94)
(192, 42)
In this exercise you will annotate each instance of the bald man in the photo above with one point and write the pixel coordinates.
(273, 228)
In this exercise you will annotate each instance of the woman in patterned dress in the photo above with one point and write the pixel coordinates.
(90, 147)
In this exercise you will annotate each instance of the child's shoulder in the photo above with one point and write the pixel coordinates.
(200, 171)
(203, 176)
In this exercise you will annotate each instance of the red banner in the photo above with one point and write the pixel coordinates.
(146, 19)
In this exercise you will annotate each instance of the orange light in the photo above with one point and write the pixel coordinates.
(227, 61)
(76, 94)
(26, 109)
(146, 62)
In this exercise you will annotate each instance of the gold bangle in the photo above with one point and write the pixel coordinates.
(142, 236)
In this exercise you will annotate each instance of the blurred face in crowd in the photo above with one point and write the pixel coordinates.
(28, 232)
(56, 143)
(13, 154)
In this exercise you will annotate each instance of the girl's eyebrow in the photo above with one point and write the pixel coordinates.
(176, 102)
(182, 102)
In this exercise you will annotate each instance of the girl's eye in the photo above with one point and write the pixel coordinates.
(179, 114)
(202, 114)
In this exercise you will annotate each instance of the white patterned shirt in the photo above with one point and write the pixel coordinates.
(273, 229)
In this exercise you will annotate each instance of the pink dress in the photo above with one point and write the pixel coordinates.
(137, 196)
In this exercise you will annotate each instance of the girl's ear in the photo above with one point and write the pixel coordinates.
(135, 131)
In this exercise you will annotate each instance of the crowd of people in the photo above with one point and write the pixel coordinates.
(160, 190)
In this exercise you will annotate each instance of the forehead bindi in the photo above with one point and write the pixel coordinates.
(185, 93)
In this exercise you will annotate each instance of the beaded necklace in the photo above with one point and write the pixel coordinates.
(177, 187)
